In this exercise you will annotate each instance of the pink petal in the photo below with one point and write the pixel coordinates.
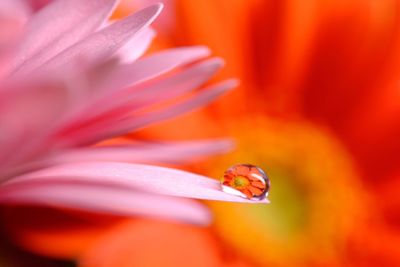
(14, 10)
(155, 65)
(198, 100)
(13, 15)
(177, 85)
(59, 25)
(31, 111)
(107, 128)
(37, 4)
(146, 178)
(162, 89)
(116, 201)
(164, 153)
(167, 20)
(169, 153)
(136, 47)
(27, 112)
(139, 71)
(99, 46)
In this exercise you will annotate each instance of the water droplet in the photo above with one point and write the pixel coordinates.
(246, 180)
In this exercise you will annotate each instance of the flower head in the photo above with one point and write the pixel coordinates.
(74, 80)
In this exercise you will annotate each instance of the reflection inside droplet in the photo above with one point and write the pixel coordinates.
(246, 180)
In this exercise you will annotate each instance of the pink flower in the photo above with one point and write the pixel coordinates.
(64, 90)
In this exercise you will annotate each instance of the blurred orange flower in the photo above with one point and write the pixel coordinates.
(318, 108)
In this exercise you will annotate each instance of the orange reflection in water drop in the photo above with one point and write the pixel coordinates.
(247, 179)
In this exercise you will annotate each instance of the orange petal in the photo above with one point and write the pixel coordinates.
(153, 243)
(51, 232)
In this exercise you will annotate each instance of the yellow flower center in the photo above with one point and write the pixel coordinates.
(240, 182)
(316, 198)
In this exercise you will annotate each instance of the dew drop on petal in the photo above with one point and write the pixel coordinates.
(246, 180)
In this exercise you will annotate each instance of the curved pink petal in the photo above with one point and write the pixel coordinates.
(166, 22)
(99, 46)
(146, 178)
(136, 47)
(156, 152)
(124, 75)
(57, 26)
(154, 66)
(162, 89)
(116, 201)
(108, 128)
(198, 100)
(169, 153)
(176, 85)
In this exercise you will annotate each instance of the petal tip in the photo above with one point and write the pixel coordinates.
(197, 49)
(227, 144)
(229, 85)
(202, 49)
(158, 7)
(234, 83)
(150, 13)
(217, 62)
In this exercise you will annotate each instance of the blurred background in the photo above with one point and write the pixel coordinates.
(317, 108)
